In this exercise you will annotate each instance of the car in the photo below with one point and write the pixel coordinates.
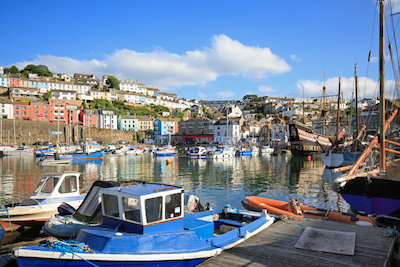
(38, 144)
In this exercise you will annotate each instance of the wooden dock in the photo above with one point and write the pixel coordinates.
(275, 247)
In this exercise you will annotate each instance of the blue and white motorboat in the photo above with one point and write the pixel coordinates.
(244, 151)
(52, 190)
(166, 151)
(88, 155)
(145, 225)
(197, 152)
(221, 153)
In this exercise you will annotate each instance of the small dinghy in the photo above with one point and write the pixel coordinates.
(145, 225)
(292, 208)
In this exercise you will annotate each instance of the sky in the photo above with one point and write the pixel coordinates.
(205, 50)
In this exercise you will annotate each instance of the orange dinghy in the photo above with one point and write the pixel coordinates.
(292, 208)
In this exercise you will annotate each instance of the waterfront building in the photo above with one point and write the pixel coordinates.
(198, 130)
(22, 110)
(6, 108)
(107, 119)
(162, 131)
(58, 111)
(128, 123)
(226, 132)
(145, 123)
(90, 117)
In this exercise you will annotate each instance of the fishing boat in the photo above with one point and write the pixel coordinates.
(221, 153)
(57, 159)
(67, 224)
(293, 209)
(197, 152)
(52, 190)
(166, 151)
(145, 225)
(375, 192)
(244, 151)
(267, 150)
(88, 155)
(18, 151)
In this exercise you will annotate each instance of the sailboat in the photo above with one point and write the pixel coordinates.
(373, 192)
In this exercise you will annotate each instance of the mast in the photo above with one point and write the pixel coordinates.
(382, 154)
(338, 114)
(356, 89)
(323, 112)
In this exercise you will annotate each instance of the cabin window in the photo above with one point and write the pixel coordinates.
(91, 203)
(39, 185)
(111, 205)
(68, 185)
(173, 206)
(49, 185)
(131, 209)
(153, 209)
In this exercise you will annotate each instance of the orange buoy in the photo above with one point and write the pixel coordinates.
(309, 158)
(168, 161)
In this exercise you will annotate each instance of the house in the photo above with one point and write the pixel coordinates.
(90, 117)
(279, 131)
(226, 132)
(128, 123)
(108, 119)
(63, 94)
(197, 130)
(21, 92)
(162, 131)
(6, 108)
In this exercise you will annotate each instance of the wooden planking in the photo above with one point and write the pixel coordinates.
(275, 247)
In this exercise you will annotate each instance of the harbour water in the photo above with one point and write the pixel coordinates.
(217, 182)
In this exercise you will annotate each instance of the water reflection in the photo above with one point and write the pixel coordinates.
(215, 181)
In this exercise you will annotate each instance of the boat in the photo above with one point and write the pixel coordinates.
(57, 159)
(166, 151)
(221, 153)
(244, 151)
(120, 150)
(88, 155)
(133, 151)
(110, 148)
(18, 151)
(145, 224)
(374, 192)
(267, 150)
(67, 223)
(52, 190)
(197, 152)
(293, 209)
(303, 140)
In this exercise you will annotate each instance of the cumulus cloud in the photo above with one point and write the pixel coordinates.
(294, 58)
(367, 88)
(166, 70)
(266, 90)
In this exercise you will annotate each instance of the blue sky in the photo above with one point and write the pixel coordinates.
(202, 49)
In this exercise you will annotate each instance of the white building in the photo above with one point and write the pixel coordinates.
(108, 119)
(226, 133)
(6, 108)
(61, 94)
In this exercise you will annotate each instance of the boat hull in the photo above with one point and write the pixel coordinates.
(87, 156)
(373, 195)
(304, 142)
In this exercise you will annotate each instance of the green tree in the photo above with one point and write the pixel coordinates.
(181, 115)
(250, 97)
(13, 70)
(47, 96)
(210, 116)
(41, 70)
(113, 82)
(259, 116)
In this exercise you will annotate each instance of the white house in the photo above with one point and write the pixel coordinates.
(226, 133)
(108, 119)
(6, 108)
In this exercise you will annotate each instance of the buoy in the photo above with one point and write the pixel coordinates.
(309, 158)
(168, 161)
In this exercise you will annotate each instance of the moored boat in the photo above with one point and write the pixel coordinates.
(197, 152)
(145, 224)
(293, 209)
(221, 153)
(88, 156)
(52, 190)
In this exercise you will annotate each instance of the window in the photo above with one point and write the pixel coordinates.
(153, 208)
(68, 185)
(44, 106)
(16, 112)
(23, 108)
(49, 185)
(36, 111)
(131, 209)
(44, 111)
(173, 206)
(24, 113)
(36, 106)
(111, 205)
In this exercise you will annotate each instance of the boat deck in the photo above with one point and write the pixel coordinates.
(275, 247)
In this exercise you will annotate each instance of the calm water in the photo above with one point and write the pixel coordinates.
(215, 181)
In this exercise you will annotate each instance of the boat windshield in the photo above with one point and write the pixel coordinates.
(40, 184)
(153, 208)
(68, 185)
(51, 182)
(173, 206)
(131, 209)
(111, 205)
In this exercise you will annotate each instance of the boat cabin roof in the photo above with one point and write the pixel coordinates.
(54, 185)
(142, 207)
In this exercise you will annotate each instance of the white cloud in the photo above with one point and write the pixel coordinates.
(266, 90)
(294, 58)
(225, 94)
(367, 88)
(167, 70)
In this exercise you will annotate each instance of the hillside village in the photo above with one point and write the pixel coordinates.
(157, 117)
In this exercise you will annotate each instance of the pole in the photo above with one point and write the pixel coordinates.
(356, 84)
(8, 137)
(1, 130)
(338, 113)
(382, 158)
(58, 126)
(14, 133)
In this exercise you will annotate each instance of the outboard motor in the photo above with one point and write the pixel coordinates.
(65, 209)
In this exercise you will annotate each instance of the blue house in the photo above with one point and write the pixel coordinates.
(161, 131)
(128, 123)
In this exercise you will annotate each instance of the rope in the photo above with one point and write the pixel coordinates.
(229, 208)
(392, 232)
(71, 246)
(9, 220)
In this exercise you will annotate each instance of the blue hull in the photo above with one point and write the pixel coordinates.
(377, 205)
(85, 156)
(25, 262)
